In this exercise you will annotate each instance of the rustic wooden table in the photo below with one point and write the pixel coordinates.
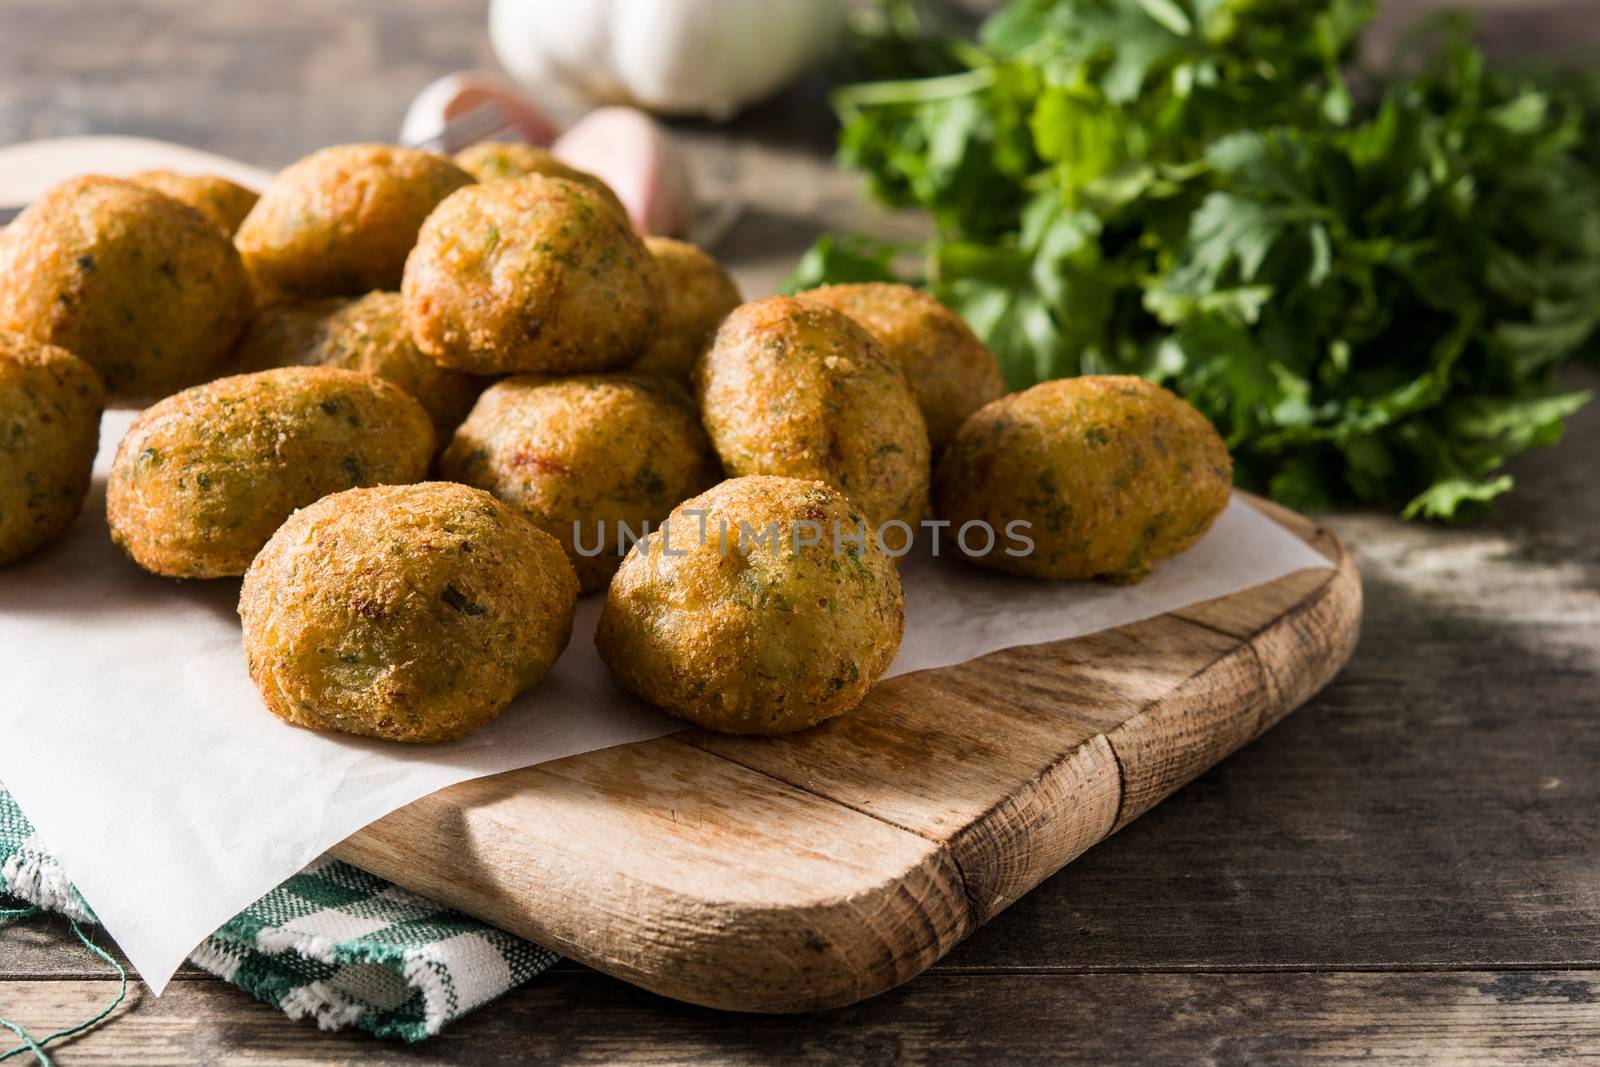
(1407, 870)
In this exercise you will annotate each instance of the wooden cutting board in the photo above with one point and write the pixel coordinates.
(810, 871)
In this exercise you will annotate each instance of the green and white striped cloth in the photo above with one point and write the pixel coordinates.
(333, 943)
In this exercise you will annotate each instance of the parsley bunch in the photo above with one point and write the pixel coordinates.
(1368, 289)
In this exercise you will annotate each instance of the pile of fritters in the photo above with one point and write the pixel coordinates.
(600, 409)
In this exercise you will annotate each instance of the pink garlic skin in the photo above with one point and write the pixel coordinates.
(456, 94)
(631, 152)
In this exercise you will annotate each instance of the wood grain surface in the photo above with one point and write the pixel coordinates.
(1480, 1018)
(1407, 870)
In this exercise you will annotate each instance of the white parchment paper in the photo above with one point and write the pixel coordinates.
(131, 736)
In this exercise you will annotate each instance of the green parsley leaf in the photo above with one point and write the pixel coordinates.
(1371, 297)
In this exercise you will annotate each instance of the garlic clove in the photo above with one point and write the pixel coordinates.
(630, 152)
(456, 94)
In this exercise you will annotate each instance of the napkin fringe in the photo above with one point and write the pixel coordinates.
(331, 1006)
(332, 1009)
(34, 876)
(279, 941)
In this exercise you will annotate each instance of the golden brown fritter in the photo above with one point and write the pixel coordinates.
(755, 638)
(698, 294)
(493, 161)
(412, 613)
(951, 372)
(583, 456)
(224, 202)
(534, 275)
(1112, 473)
(144, 288)
(797, 389)
(50, 404)
(203, 478)
(341, 221)
(366, 334)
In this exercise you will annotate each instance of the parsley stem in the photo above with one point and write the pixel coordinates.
(850, 100)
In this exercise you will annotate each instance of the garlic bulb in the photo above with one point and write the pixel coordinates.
(682, 57)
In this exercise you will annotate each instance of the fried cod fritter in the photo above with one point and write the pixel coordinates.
(1112, 473)
(412, 613)
(493, 161)
(143, 288)
(583, 456)
(698, 294)
(534, 275)
(796, 389)
(224, 202)
(203, 478)
(341, 221)
(364, 334)
(50, 405)
(951, 372)
(747, 637)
